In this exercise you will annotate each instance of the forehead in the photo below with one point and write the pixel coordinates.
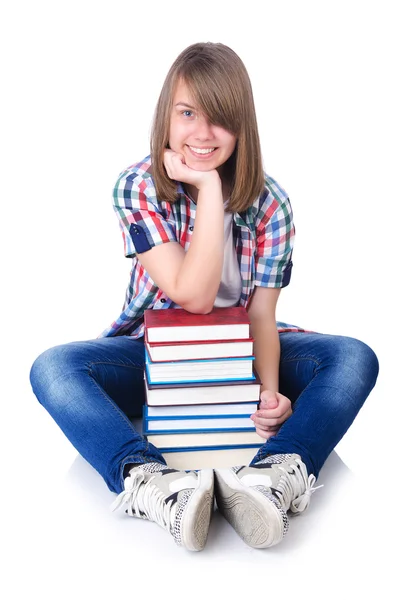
(182, 94)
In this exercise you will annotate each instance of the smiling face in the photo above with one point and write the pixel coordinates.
(204, 146)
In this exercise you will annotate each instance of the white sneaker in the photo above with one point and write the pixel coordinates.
(179, 501)
(255, 499)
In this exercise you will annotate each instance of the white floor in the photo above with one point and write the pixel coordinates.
(60, 539)
(82, 79)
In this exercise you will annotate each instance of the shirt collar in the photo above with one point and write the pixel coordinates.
(179, 188)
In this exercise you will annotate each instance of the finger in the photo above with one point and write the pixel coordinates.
(266, 422)
(271, 422)
(268, 427)
(276, 413)
(268, 399)
(173, 162)
(265, 434)
(273, 429)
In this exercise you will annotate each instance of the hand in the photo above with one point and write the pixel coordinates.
(178, 170)
(273, 410)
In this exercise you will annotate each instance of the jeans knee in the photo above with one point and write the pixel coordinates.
(359, 356)
(358, 360)
(47, 368)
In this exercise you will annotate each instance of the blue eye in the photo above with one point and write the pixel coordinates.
(187, 113)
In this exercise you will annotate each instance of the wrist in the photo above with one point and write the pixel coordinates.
(211, 181)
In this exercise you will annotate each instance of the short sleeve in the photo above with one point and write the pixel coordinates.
(144, 223)
(275, 237)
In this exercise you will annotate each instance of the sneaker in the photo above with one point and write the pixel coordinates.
(255, 499)
(179, 501)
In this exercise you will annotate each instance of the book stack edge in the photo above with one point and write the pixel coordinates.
(201, 387)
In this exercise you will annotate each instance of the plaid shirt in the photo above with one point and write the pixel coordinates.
(263, 235)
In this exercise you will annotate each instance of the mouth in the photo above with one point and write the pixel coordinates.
(202, 153)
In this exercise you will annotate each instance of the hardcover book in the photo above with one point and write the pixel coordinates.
(237, 409)
(171, 441)
(207, 457)
(219, 392)
(178, 325)
(226, 423)
(164, 351)
(214, 458)
(188, 371)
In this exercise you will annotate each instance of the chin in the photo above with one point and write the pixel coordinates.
(200, 166)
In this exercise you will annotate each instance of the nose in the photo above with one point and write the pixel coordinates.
(203, 129)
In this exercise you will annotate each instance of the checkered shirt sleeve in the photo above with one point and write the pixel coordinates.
(275, 236)
(143, 220)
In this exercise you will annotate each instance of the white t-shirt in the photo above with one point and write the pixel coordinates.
(229, 291)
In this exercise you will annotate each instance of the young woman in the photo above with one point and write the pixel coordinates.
(204, 226)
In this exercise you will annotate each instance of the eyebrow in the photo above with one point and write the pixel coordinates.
(186, 105)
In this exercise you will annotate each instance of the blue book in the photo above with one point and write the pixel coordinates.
(198, 424)
(193, 411)
(200, 439)
(203, 370)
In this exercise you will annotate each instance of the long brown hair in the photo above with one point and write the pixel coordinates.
(220, 86)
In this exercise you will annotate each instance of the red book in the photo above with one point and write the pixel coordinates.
(166, 351)
(178, 325)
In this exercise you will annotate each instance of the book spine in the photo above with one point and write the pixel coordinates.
(188, 381)
(199, 360)
(195, 448)
(145, 431)
(193, 417)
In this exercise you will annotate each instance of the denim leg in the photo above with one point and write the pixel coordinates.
(327, 378)
(90, 389)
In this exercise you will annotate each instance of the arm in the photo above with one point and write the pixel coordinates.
(191, 279)
(262, 314)
(274, 408)
(275, 235)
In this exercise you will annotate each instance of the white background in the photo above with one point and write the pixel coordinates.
(79, 85)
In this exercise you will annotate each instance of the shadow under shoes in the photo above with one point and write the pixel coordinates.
(255, 499)
(179, 501)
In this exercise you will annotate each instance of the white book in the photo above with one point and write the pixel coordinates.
(164, 395)
(169, 441)
(238, 408)
(175, 425)
(212, 458)
(217, 369)
(219, 458)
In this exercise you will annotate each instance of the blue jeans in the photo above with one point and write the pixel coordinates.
(92, 389)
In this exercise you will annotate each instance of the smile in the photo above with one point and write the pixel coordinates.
(202, 152)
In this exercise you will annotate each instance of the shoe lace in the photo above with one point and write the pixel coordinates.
(144, 500)
(295, 487)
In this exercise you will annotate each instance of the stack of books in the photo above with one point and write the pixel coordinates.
(201, 387)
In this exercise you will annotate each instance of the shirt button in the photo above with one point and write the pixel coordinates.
(162, 300)
(191, 228)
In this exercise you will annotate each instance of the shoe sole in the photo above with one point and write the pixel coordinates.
(197, 515)
(256, 519)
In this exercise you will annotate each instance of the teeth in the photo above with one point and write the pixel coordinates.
(202, 150)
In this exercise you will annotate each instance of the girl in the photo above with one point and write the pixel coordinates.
(204, 227)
